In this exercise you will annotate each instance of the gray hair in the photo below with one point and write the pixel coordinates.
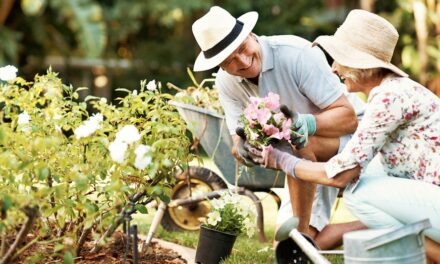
(360, 75)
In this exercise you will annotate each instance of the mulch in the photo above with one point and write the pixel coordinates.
(112, 253)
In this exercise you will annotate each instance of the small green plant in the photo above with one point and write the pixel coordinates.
(200, 95)
(231, 214)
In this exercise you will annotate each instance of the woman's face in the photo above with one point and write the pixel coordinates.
(349, 83)
(245, 61)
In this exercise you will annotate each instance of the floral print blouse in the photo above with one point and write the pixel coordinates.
(402, 123)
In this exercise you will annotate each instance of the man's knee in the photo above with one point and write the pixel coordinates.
(323, 148)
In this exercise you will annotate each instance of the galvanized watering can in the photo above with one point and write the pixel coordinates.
(403, 245)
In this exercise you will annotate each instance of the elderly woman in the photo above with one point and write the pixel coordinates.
(401, 125)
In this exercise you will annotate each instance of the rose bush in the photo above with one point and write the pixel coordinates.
(66, 175)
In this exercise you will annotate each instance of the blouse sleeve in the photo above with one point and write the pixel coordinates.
(384, 113)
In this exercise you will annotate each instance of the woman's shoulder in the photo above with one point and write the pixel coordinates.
(397, 86)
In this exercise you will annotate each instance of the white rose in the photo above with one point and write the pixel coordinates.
(143, 158)
(82, 131)
(23, 118)
(8, 73)
(128, 134)
(97, 118)
(89, 127)
(117, 151)
(151, 85)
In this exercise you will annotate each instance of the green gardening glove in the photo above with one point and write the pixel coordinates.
(303, 126)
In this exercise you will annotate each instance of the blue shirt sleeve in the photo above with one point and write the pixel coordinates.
(315, 78)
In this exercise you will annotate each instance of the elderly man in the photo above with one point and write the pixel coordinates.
(252, 65)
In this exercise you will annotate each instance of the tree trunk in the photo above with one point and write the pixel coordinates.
(5, 9)
(367, 5)
(420, 16)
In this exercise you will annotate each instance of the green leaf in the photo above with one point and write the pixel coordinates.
(122, 90)
(91, 97)
(43, 173)
(68, 258)
(6, 202)
(164, 197)
(141, 208)
(58, 247)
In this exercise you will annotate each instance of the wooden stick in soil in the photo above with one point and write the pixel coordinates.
(82, 239)
(31, 213)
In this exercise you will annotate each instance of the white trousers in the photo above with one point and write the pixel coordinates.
(390, 202)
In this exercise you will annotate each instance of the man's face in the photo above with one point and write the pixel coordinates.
(245, 61)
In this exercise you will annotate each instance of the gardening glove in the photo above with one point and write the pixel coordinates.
(303, 125)
(277, 157)
(242, 149)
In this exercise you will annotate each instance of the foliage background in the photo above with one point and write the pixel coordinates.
(105, 44)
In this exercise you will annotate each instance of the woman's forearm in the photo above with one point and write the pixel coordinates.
(315, 172)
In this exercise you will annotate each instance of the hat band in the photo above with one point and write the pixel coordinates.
(209, 53)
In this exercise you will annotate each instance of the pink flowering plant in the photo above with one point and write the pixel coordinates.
(263, 123)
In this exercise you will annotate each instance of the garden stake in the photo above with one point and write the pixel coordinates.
(153, 227)
(134, 231)
(127, 218)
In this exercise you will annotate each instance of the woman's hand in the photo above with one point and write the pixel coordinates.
(278, 157)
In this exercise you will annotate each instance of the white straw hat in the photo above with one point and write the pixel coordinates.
(218, 34)
(364, 41)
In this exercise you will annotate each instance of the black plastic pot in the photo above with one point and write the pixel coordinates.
(213, 246)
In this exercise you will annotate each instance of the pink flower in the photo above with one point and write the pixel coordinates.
(255, 101)
(285, 133)
(250, 113)
(279, 118)
(263, 115)
(272, 101)
(287, 123)
(270, 130)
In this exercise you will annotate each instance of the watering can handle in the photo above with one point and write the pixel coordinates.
(414, 228)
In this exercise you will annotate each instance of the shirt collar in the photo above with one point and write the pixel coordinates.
(266, 54)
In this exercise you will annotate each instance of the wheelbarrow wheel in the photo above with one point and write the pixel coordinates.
(188, 217)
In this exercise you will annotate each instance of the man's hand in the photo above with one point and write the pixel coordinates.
(303, 125)
(278, 157)
(241, 147)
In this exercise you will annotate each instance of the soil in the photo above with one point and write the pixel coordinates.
(112, 253)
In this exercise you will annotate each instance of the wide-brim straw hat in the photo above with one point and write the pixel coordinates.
(364, 41)
(219, 34)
